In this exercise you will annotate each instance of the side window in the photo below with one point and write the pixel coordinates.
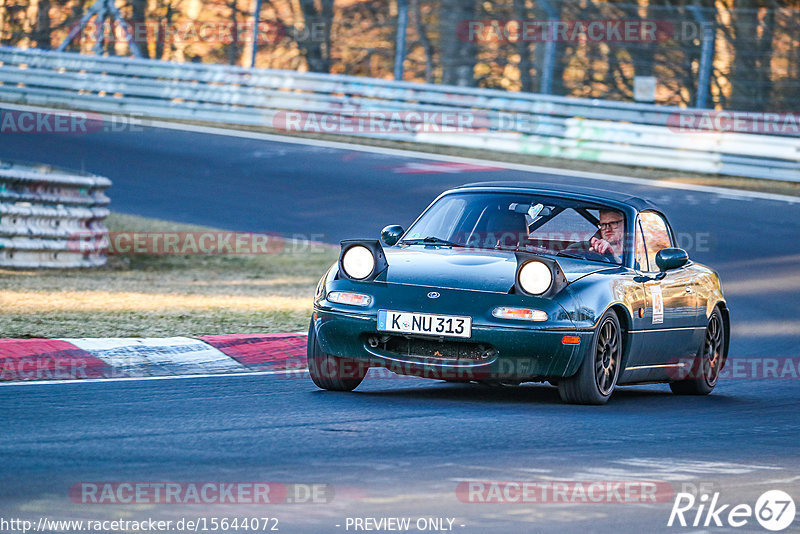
(656, 236)
(569, 226)
(641, 252)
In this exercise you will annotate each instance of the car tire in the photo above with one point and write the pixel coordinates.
(707, 364)
(332, 372)
(597, 377)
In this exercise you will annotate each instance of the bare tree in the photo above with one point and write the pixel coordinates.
(42, 29)
(171, 9)
(752, 39)
(458, 52)
(523, 49)
(423, 40)
(316, 44)
(139, 17)
(233, 50)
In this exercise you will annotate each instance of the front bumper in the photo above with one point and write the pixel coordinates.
(494, 351)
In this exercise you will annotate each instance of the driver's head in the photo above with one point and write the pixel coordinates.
(612, 226)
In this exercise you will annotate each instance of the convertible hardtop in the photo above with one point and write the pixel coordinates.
(589, 194)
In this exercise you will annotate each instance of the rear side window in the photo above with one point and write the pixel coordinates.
(656, 236)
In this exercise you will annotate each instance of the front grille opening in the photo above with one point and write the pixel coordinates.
(432, 348)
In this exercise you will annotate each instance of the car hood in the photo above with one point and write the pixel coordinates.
(478, 270)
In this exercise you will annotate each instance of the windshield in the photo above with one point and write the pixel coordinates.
(513, 221)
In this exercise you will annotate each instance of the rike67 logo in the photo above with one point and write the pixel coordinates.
(774, 510)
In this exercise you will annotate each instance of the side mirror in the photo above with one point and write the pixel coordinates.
(671, 258)
(391, 234)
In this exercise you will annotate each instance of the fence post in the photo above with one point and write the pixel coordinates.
(256, 15)
(546, 84)
(400, 44)
(706, 57)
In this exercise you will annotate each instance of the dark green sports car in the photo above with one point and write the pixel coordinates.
(505, 282)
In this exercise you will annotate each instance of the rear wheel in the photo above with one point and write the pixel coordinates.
(597, 377)
(708, 362)
(332, 372)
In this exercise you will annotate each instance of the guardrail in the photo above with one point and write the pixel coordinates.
(593, 130)
(51, 218)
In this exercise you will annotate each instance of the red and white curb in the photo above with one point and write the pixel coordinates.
(98, 358)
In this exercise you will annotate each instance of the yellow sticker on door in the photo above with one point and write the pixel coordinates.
(658, 304)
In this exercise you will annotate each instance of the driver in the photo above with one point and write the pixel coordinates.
(609, 239)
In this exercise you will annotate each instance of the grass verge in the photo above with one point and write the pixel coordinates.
(165, 295)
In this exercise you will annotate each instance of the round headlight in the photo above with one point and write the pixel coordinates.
(358, 262)
(535, 277)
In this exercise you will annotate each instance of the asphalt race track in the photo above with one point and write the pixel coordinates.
(400, 447)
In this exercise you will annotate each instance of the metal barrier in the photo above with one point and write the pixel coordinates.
(51, 218)
(593, 130)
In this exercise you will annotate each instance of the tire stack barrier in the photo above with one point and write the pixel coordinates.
(51, 217)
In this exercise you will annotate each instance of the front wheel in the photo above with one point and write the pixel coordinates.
(597, 377)
(332, 372)
(708, 362)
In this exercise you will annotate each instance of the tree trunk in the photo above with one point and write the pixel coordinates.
(138, 18)
(161, 34)
(318, 19)
(233, 47)
(458, 57)
(2, 23)
(43, 25)
(424, 40)
(561, 59)
(523, 49)
(750, 73)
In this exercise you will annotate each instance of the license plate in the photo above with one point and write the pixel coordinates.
(424, 323)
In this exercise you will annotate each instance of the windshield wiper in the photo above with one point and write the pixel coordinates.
(431, 240)
(570, 255)
(591, 256)
(499, 246)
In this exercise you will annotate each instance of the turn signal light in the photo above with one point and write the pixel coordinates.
(571, 340)
(523, 314)
(346, 297)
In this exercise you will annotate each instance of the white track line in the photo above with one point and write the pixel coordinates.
(739, 194)
(139, 378)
